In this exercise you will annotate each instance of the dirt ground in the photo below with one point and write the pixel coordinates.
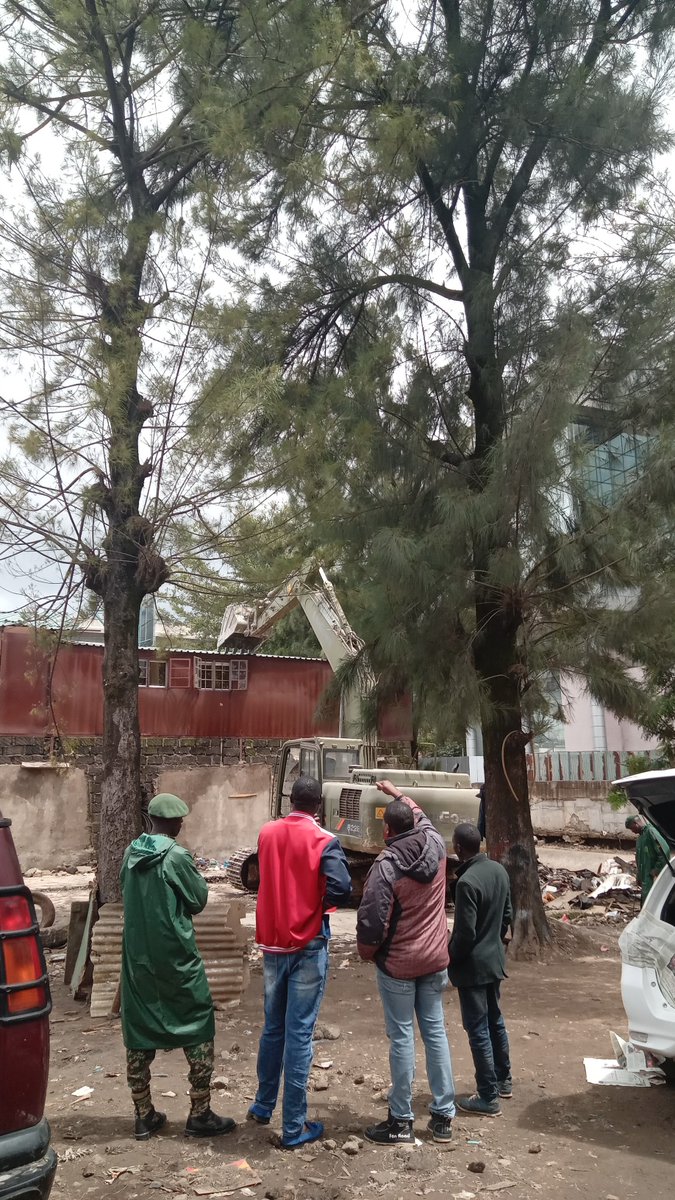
(558, 1137)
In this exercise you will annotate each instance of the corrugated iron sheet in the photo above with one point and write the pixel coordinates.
(281, 700)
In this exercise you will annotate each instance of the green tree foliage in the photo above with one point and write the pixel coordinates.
(128, 127)
(466, 298)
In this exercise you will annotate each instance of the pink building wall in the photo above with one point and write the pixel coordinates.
(620, 735)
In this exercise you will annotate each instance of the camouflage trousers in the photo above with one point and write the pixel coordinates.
(200, 1063)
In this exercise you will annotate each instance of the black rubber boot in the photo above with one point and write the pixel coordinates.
(209, 1124)
(146, 1126)
(391, 1132)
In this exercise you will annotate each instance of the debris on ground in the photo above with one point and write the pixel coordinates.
(632, 1066)
(610, 895)
(222, 1180)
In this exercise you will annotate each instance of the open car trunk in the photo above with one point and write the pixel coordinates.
(653, 794)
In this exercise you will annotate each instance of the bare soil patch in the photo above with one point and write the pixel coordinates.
(558, 1137)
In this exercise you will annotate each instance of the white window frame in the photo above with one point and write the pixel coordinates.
(205, 675)
(145, 666)
(221, 675)
(239, 674)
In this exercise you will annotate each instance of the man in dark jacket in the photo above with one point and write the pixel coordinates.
(402, 927)
(477, 967)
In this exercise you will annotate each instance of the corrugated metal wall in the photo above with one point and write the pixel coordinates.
(281, 699)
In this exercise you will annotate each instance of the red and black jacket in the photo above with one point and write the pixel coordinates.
(303, 874)
(401, 922)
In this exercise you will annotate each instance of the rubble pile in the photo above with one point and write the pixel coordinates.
(610, 894)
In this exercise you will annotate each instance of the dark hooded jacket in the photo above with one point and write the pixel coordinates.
(401, 922)
(166, 1002)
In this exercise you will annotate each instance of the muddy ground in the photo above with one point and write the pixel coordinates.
(558, 1138)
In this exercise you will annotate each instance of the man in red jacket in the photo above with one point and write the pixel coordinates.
(402, 927)
(303, 874)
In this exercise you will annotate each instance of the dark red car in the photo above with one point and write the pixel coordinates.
(27, 1161)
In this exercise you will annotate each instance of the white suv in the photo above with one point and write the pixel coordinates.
(648, 942)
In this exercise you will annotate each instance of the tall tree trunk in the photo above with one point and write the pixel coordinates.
(508, 819)
(496, 652)
(129, 567)
(120, 790)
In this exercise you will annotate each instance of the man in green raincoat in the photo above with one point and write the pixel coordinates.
(651, 852)
(165, 999)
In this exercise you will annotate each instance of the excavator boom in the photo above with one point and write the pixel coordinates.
(247, 625)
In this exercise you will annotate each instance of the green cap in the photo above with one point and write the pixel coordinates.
(167, 806)
(629, 820)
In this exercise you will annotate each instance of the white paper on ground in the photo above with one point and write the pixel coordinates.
(608, 1072)
(630, 1056)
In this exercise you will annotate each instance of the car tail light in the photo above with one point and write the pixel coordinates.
(24, 984)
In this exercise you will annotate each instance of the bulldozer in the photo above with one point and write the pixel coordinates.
(346, 766)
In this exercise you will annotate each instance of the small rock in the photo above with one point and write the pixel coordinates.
(535, 1148)
(384, 1178)
(422, 1159)
(320, 1085)
(220, 1083)
(359, 1079)
(477, 1167)
(352, 1145)
(326, 1033)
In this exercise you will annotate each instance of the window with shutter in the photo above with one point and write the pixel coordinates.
(179, 672)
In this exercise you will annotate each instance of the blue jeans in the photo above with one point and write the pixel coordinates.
(294, 987)
(403, 999)
(484, 1024)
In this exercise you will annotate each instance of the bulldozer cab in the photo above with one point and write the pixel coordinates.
(321, 758)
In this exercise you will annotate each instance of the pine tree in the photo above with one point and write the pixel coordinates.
(468, 282)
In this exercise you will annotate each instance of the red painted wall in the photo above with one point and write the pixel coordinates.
(280, 701)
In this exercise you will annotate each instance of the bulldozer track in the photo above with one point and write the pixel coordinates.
(238, 869)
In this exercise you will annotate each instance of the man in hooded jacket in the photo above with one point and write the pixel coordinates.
(165, 999)
(402, 927)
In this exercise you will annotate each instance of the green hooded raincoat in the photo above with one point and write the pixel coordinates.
(166, 1002)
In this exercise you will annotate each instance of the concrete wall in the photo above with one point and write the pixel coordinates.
(576, 809)
(228, 805)
(48, 811)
